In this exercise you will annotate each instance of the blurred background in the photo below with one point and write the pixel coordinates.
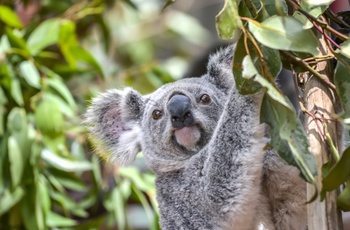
(54, 57)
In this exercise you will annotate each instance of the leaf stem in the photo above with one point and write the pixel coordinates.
(317, 21)
(300, 61)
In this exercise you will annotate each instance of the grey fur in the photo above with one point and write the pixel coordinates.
(225, 180)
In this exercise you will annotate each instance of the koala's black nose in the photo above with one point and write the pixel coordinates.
(179, 109)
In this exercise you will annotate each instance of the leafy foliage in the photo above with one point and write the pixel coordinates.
(270, 34)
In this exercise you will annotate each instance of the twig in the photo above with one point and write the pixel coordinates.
(319, 22)
(310, 69)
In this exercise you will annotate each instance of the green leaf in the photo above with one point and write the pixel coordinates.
(315, 11)
(343, 201)
(228, 21)
(136, 177)
(16, 41)
(49, 118)
(9, 17)
(284, 33)
(246, 85)
(68, 180)
(16, 120)
(17, 125)
(46, 34)
(96, 170)
(319, 2)
(80, 54)
(3, 98)
(54, 220)
(56, 83)
(16, 161)
(68, 204)
(119, 208)
(338, 174)
(32, 214)
(43, 194)
(287, 134)
(16, 91)
(342, 83)
(65, 109)
(2, 115)
(7, 74)
(345, 49)
(30, 73)
(144, 203)
(9, 199)
(288, 137)
(64, 164)
(250, 72)
(4, 44)
(276, 7)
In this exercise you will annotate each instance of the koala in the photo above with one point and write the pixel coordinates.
(204, 142)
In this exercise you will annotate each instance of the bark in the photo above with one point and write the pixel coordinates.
(322, 102)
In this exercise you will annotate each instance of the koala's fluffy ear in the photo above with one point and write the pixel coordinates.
(114, 124)
(220, 68)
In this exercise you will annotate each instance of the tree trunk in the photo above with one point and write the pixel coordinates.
(321, 101)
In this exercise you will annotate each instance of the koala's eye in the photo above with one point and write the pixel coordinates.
(157, 114)
(205, 99)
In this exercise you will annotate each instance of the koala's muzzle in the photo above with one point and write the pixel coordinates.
(179, 109)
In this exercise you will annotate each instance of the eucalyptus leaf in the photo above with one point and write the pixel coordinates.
(55, 220)
(16, 91)
(314, 11)
(63, 106)
(287, 134)
(343, 200)
(2, 114)
(345, 49)
(3, 98)
(342, 83)
(338, 174)
(68, 180)
(136, 177)
(9, 198)
(17, 41)
(250, 72)
(68, 204)
(246, 85)
(228, 21)
(119, 208)
(48, 118)
(9, 17)
(31, 209)
(288, 137)
(276, 7)
(80, 54)
(30, 73)
(319, 2)
(16, 161)
(17, 125)
(46, 34)
(64, 164)
(284, 33)
(58, 85)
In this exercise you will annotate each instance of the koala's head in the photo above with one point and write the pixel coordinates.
(169, 125)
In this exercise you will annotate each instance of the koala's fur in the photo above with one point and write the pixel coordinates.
(213, 174)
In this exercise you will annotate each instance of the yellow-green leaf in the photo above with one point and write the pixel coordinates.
(9, 17)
